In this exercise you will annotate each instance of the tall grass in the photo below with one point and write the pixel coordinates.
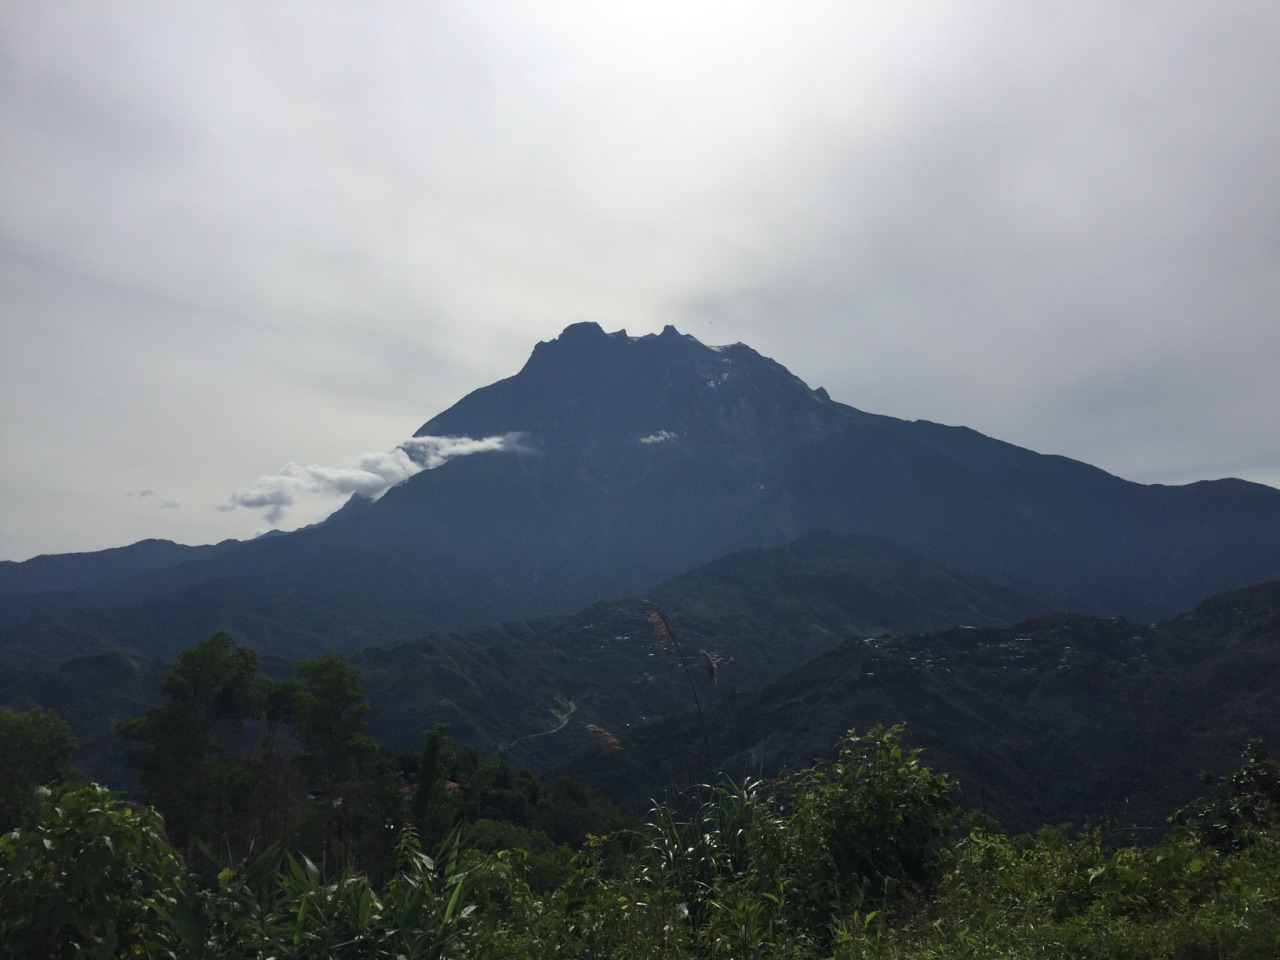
(663, 634)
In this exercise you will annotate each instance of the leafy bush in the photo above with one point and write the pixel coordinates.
(1246, 807)
(872, 825)
(86, 875)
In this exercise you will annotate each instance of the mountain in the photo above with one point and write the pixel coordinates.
(614, 462)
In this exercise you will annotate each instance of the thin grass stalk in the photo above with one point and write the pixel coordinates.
(662, 633)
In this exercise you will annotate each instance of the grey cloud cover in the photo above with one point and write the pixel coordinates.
(161, 503)
(233, 235)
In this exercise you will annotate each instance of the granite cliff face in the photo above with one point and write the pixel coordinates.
(630, 459)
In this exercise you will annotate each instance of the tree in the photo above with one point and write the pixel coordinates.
(358, 807)
(434, 812)
(34, 747)
(237, 789)
(330, 711)
(187, 767)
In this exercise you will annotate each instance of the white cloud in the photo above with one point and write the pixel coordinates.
(430, 452)
(372, 475)
(660, 437)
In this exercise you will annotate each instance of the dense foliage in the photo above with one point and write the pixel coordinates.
(34, 747)
(86, 875)
(238, 763)
(860, 858)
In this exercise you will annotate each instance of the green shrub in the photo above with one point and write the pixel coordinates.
(870, 826)
(86, 875)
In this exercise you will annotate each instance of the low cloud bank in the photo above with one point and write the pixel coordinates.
(372, 476)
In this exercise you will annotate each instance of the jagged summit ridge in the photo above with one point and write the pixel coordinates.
(589, 384)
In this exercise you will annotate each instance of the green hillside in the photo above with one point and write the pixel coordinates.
(761, 612)
(1063, 718)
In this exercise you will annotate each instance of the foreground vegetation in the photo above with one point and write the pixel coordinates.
(271, 825)
(864, 857)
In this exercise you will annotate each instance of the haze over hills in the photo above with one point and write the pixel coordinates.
(499, 683)
(614, 462)
(1062, 717)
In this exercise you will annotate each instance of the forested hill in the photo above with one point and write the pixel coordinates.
(1059, 718)
(761, 612)
(1065, 718)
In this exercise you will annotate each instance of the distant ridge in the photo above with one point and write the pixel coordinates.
(77, 571)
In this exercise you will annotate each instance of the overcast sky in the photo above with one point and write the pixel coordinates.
(244, 240)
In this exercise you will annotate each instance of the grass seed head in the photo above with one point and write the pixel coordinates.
(661, 629)
(708, 664)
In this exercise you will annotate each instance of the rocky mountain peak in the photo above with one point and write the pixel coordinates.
(589, 382)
